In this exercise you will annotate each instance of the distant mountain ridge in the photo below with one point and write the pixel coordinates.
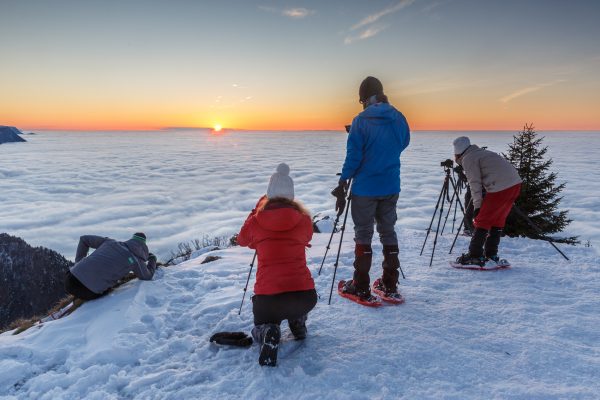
(31, 279)
(10, 134)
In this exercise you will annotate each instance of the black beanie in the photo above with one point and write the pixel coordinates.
(139, 236)
(370, 86)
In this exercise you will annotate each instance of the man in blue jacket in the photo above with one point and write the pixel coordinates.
(377, 137)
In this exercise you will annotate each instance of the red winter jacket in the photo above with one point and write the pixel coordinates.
(280, 234)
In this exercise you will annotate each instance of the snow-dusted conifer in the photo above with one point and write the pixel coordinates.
(540, 194)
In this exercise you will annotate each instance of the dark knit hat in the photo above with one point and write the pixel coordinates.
(370, 86)
(139, 236)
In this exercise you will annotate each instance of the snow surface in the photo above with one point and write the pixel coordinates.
(180, 185)
(530, 332)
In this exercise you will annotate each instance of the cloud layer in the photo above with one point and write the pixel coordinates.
(179, 185)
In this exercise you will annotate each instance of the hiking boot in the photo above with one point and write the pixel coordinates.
(388, 291)
(477, 241)
(363, 294)
(363, 255)
(270, 335)
(298, 327)
(468, 259)
(390, 264)
(495, 259)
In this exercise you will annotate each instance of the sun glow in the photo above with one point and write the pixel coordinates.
(217, 128)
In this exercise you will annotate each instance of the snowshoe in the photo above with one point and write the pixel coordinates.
(478, 263)
(390, 296)
(349, 291)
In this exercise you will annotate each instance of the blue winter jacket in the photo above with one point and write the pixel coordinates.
(377, 137)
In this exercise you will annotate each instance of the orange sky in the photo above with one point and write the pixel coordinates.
(82, 66)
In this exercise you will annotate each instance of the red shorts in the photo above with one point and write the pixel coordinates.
(496, 207)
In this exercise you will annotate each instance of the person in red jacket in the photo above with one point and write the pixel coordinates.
(279, 229)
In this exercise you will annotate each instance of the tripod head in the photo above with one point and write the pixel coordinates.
(447, 165)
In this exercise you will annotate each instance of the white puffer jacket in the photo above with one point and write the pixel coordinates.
(488, 169)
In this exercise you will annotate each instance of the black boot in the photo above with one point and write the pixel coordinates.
(475, 254)
(298, 327)
(492, 242)
(390, 265)
(363, 255)
(267, 336)
(477, 242)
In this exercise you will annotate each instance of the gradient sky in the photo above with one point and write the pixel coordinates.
(446, 64)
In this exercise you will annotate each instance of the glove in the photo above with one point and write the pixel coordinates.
(340, 194)
(151, 256)
(239, 339)
(475, 212)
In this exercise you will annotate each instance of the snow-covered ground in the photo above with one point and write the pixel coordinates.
(179, 185)
(526, 333)
(530, 332)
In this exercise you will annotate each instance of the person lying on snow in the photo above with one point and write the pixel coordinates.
(92, 276)
(280, 229)
(486, 170)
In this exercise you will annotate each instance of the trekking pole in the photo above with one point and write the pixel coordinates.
(343, 229)
(538, 230)
(247, 281)
(402, 272)
(337, 220)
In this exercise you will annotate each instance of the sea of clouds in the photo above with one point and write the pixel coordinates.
(179, 185)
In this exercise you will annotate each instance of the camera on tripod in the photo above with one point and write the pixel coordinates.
(447, 164)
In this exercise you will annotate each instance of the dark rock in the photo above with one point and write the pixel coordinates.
(210, 259)
(31, 279)
(324, 224)
(10, 134)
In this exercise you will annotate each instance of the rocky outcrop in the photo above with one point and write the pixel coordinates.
(10, 134)
(31, 279)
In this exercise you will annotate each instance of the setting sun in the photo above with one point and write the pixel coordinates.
(217, 127)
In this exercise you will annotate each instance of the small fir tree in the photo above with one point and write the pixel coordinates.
(539, 197)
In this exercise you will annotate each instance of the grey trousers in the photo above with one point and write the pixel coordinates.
(367, 210)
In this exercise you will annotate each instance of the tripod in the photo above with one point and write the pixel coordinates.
(460, 185)
(444, 195)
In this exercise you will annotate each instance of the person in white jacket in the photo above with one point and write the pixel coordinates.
(492, 172)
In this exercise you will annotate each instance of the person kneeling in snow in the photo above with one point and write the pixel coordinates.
(279, 228)
(490, 171)
(92, 276)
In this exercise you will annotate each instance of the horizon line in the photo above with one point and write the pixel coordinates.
(225, 130)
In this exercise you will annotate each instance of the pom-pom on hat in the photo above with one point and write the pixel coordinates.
(461, 144)
(280, 184)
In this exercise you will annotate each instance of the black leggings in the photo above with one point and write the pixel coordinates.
(76, 288)
(274, 308)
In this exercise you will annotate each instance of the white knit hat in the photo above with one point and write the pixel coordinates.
(461, 144)
(280, 184)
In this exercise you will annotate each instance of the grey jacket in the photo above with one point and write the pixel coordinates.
(110, 262)
(488, 169)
